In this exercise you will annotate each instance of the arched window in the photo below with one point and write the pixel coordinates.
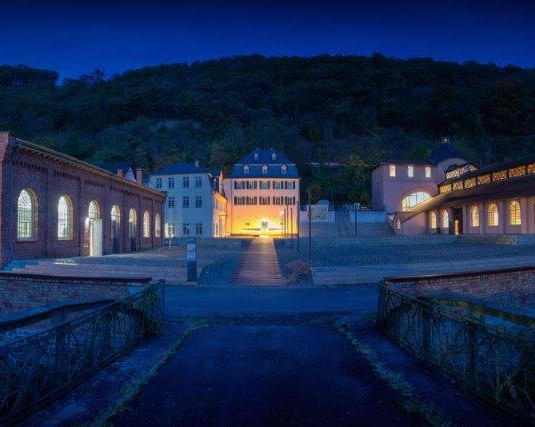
(132, 223)
(492, 215)
(115, 221)
(432, 220)
(445, 218)
(93, 212)
(414, 199)
(273, 156)
(283, 169)
(474, 216)
(157, 225)
(515, 215)
(146, 224)
(255, 156)
(26, 215)
(65, 218)
(246, 170)
(264, 170)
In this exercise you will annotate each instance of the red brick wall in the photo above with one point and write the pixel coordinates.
(25, 293)
(50, 179)
(499, 286)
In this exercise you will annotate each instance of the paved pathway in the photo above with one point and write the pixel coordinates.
(259, 265)
(337, 275)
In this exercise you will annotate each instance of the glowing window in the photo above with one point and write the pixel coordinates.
(474, 216)
(492, 215)
(469, 183)
(458, 185)
(93, 212)
(483, 179)
(115, 221)
(498, 176)
(428, 171)
(146, 224)
(515, 216)
(157, 225)
(432, 220)
(392, 171)
(132, 223)
(26, 215)
(410, 171)
(445, 219)
(64, 218)
(413, 199)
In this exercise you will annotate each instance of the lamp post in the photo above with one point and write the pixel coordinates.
(309, 230)
(356, 219)
(291, 228)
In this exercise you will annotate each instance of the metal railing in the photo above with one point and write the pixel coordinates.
(490, 361)
(36, 369)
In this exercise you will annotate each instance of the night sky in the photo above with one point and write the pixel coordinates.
(76, 37)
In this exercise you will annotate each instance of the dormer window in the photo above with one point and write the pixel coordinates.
(410, 171)
(255, 156)
(264, 170)
(283, 169)
(392, 171)
(246, 170)
(273, 156)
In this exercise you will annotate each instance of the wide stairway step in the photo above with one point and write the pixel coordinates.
(259, 265)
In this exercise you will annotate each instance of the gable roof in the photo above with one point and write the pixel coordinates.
(115, 166)
(179, 168)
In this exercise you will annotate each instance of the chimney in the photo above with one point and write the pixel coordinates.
(139, 176)
(120, 173)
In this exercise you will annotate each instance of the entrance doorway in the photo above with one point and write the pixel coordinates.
(457, 214)
(95, 229)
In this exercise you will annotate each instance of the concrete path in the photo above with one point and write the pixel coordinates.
(259, 265)
(251, 376)
(338, 275)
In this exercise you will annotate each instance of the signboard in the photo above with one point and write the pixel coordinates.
(191, 251)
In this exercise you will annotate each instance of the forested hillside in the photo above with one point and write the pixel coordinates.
(352, 110)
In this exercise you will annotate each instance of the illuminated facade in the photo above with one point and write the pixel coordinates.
(494, 200)
(263, 195)
(194, 205)
(400, 185)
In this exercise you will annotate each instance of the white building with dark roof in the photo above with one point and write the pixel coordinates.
(194, 206)
(263, 194)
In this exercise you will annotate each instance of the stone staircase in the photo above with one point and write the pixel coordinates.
(259, 265)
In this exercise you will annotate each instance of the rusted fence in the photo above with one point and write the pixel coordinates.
(40, 367)
(491, 361)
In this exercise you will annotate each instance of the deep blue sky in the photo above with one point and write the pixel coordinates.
(76, 37)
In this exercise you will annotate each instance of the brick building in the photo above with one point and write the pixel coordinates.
(53, 205)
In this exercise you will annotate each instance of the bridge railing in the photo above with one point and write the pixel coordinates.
(38, 368)
(492, 362)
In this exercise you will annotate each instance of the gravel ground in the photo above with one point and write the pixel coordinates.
(410, 253)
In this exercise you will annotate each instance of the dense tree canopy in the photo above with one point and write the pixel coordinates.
(350, 110)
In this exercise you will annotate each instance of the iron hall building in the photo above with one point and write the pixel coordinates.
(449, 195)
(263, 195)
(53, 205)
